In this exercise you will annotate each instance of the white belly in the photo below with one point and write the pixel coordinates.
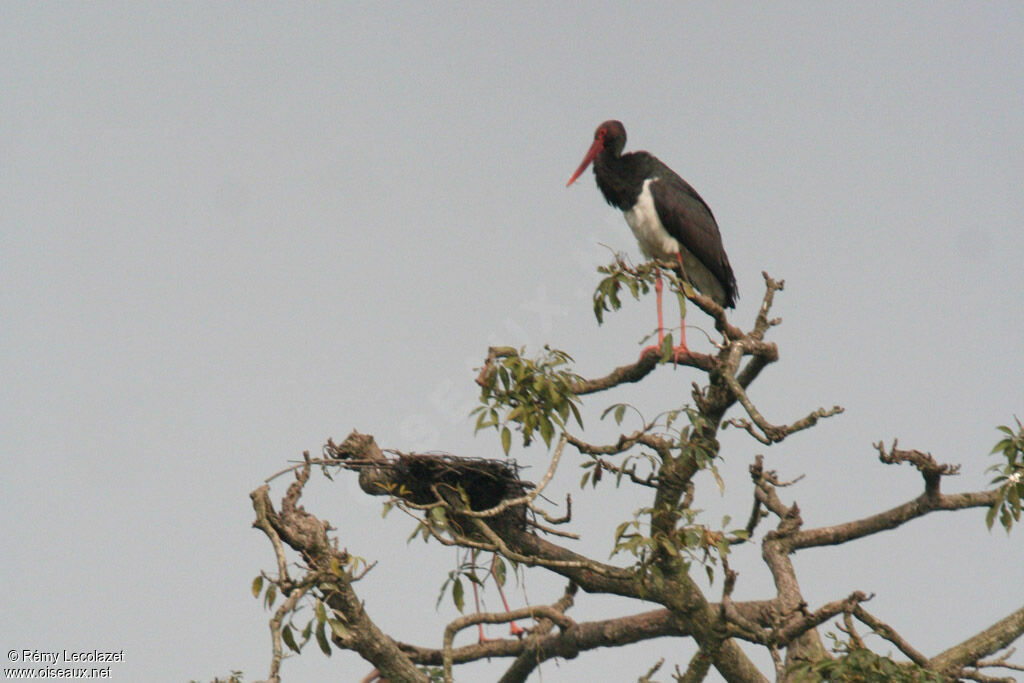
(643, 219)
(655, 242)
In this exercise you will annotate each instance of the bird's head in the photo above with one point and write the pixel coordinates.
(611, 136)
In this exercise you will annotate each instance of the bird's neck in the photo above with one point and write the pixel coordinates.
(620, 177)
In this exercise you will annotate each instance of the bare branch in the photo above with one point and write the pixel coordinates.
(763, 323)
(590, 635)
(924, 462)
(534, 560)
(991, 640)
(308, 536)
(890, 634)
(799, 625)
(975, 675)
(634, 372)
(286, 608)
(697, 669)
(769, 433)
(556, 520)
(650, 481)
(646, 678)
(544, 611)
(891, 518)
(624, 443)
(569, 642)
(263, 523)
(1001, 662)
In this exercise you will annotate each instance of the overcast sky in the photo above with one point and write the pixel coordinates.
(229, 231)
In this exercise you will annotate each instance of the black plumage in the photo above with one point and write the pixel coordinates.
(666, 214)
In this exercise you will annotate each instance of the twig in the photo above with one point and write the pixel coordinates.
(275, 623)
(557, 520)
(889, 633)
(545, 611)
(924, 462)
(769, 433)
(646, 678)
(1000, 662)
(528, 498)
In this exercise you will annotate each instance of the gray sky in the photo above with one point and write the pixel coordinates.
(230, 231)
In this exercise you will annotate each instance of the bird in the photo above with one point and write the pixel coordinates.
(669, 219)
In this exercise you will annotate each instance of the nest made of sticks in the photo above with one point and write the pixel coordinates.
(420, 477)
(486, 482)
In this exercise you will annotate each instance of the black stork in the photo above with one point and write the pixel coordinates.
(669, 219)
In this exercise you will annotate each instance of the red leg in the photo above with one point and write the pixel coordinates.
(476, 602)
(681, 349)
(513, 628)
(661, 321)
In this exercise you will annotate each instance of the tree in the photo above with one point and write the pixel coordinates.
(483, 507)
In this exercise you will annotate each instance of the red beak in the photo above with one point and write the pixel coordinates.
(594, 150)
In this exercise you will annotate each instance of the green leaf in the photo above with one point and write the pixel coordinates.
(499, 570)
(666, 348)
(506, 439)
(321, 640)
(270, 596)
(620, 412)
(547, 430)
(990, 516)
(321, 612)
(718, 480)
(1002, 445)
(486, 419)
(339, 628)
(576, 413)
(562, 406)
(257, 586)
(289, 639)
(438, 515)
(458, 595)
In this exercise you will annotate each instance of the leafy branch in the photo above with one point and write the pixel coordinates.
(1009, 481)
(536, 395)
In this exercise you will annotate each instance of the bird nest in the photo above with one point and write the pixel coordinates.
(426, 479)
(486, 483)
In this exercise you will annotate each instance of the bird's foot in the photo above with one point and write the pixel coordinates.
(678, 352)
(514, 629)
